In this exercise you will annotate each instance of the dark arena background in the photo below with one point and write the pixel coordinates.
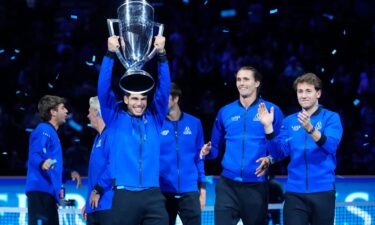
(56, 47)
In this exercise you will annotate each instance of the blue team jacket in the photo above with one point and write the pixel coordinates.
(134, 141)
(99, 161)
(244, 139)
(180, 165)
(44, 143)
(312, 164)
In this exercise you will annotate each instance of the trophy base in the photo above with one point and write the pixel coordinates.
(136, 82)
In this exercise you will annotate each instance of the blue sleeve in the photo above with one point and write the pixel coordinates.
(278, 146)
(217, 137)
(198, 161)
(333, 133)
(278, 121)
(38, 147)
(159, 105)
(105, 179)
(106, 96)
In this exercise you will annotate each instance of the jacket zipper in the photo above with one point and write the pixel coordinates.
(306, 162)
(140, 153)
(243, 145)
(175, 125)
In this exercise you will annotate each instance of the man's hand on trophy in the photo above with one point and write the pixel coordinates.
(113, 43)
(159, 43)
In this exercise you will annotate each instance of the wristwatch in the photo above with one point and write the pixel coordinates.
(311, 131)
(272, 160)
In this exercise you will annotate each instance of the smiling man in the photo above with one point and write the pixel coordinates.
(310, 137)
(45, 163)
(134, 143)
(242, 192)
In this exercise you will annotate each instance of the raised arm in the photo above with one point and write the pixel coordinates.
(160, 102)
(330, 138)
(277, 139)
(107, 98)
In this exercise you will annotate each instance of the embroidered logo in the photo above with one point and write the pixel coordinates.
(256, 117)
(99, 143)
(46, 134)
(187, 130)
(296, 127)
(165, 132)
(319, 125)
(235, 118)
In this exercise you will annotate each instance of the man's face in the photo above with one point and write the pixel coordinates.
(307, 96)
(172, 102)
(246, 84)
(60, 114)
(137, 104)
(92, 116)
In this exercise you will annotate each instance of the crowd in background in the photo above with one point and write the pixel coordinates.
(56, 47)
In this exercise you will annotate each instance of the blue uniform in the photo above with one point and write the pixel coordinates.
(98, 173)
(44, 143)
(312, 165)
(180, 165)
(244, 138)
(134, 140)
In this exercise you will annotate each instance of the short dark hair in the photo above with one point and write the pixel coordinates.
(175, 90)
(46, 103)
(257, 75)
(309, 78)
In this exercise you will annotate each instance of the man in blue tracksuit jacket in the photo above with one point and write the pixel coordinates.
(242, 191)
(100, 193)
(45, 164)
(134, 140)
(182, 178)
(310, 137)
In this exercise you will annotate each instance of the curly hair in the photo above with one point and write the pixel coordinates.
(46, 103)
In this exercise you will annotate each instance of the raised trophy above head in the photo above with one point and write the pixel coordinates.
(136, 27)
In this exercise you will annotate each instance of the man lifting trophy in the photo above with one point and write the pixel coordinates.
(134, 131)
(136, 26)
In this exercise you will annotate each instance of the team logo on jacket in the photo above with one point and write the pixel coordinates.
(318, 125)
(46, 134)
(187, 130)
(99, 143)
(256, 117)
(165, 132)
(296, 127)
(235, 118)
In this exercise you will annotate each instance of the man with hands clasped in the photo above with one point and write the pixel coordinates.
(310, 137)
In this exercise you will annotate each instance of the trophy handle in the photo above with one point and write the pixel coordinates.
(160, 32)
(110, 23)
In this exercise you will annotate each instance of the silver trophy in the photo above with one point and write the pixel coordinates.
(136, 27)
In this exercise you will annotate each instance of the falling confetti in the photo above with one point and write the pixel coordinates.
(273, 11)
(328, 16)
(29, 130)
